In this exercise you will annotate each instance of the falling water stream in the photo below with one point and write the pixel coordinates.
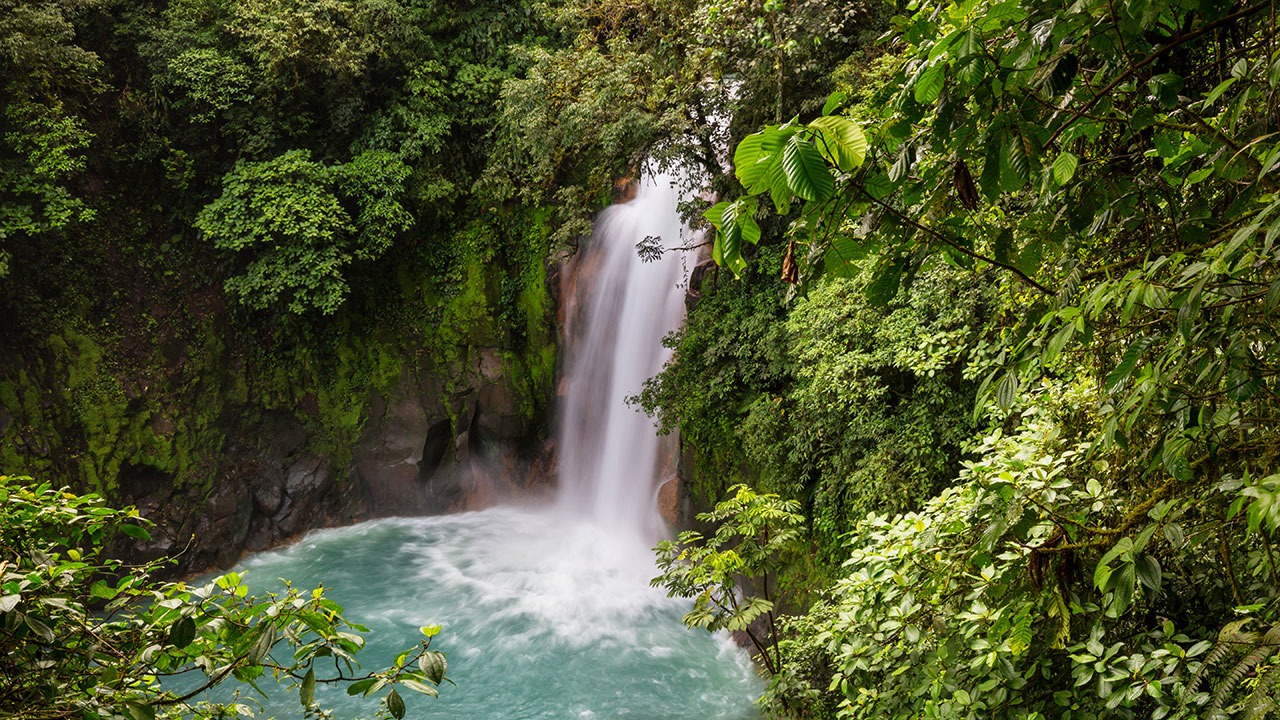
(547, 612)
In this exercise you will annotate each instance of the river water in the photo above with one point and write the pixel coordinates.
(543, 618)
(547, 612)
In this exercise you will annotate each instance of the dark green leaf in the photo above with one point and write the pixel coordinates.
(1002, 249)
(395, 705)
(1007, 391)
(1165, 88)
(182, 633)
(135, 532)
(433, 665)
(807, 175)
(929, 85)
(1064, 73)
(1115, 379)
(307, 692)
(1174, 457)
(884, 286)
(1148, 570)
(1273, 298)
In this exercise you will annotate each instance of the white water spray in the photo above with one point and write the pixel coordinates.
(610, 460)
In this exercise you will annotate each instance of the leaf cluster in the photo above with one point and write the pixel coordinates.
(86, 636)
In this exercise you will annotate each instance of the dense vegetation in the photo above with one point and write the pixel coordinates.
(1002, 330)
(1046, 274)
(216, 212)
(86, 636)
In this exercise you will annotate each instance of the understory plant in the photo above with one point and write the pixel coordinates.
(86, 636)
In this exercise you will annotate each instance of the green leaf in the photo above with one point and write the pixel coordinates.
(1064, 72)
(1002, 248)
(1174, 457)
(262, 646)
(1148, 570)
(140, 711)
(307, 692)
(1272, 300)
(878, 185)
(361, 687)
(840, 141)
(1019, 159)
(1064, 168)
(1216, 92)
(100, 589)
(776, 182)
(714, 215)
(884, 286)
(1165, 88)
(418, 687)
(182, 633)
(1007, 391)
(1123, 591)
(750, 161)
(395, 705)
(929, 85)
(433, 665)
(135, 532)
(834, 102)
(735, 223)
(807, 175)
(430, 631)
(1115, 379)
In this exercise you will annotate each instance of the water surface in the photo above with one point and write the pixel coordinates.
(544, 617)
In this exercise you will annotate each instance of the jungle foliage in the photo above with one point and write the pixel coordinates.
(1105, 173)
(85, 636)
(251, 208)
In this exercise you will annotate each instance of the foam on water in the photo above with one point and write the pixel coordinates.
(540, 620)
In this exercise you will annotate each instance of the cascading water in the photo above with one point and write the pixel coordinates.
(609, 461)
(547, 612)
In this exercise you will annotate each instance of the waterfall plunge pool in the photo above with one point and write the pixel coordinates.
(544, 615)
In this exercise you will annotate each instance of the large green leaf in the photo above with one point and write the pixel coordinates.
(840, 141)
(779, 189)
(731, 236)
(750, 160)
(1115, 379)
(1064, 168)
(929, 85)
(885, 285)
(807, 175)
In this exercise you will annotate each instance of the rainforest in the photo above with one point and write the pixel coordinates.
(646, 358)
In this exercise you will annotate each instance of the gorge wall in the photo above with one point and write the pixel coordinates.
(233, 434)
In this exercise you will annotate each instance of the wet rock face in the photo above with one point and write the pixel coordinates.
(424, 449)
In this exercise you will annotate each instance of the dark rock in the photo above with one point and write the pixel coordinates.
(268, 494)
(439, 439)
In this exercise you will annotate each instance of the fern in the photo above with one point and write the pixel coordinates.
(1259, 658)
(1260, 701)
(1229, 638)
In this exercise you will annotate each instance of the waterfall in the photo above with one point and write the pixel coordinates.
(547, 612)
(610, 461)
